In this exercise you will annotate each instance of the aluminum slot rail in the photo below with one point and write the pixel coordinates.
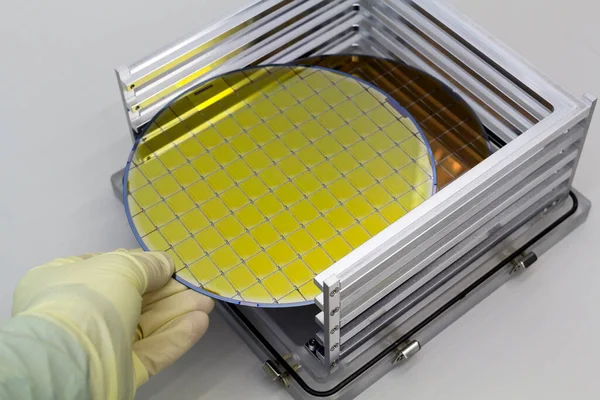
(545, 127)
(399, 274)
(263, 32)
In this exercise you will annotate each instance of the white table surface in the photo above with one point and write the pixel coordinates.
(63, 134)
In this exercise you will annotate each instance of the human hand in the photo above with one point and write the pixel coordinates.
(131, 319)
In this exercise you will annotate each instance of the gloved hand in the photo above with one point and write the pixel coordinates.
(124, 310)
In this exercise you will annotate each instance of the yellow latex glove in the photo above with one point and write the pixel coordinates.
(130, 318)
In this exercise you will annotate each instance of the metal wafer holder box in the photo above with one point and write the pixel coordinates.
(384, 301)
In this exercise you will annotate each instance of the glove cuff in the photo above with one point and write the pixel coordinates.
(140, 371)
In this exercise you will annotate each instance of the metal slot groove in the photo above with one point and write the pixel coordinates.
(146, 70)
(239, 63)
(419, 43)
(494, 79)
(213, 63)
(467, 234)
(501, 56)
(423, 276)
(404, 253)
(317, 39)
(455, 199)
(344, 45)
(480, 54)
(308, 14)
(438, 210)
(359, 304)
(441, 283)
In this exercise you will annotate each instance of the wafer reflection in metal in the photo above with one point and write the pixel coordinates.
(260, 179)
(454, 132)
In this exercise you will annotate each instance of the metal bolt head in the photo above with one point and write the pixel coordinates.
(334, 364)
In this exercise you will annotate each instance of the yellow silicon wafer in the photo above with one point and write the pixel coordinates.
(260, 179)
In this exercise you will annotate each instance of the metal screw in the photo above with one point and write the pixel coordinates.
(335, 310)
(335, 346)
(334, 329)
(334, 292)
(334, 364)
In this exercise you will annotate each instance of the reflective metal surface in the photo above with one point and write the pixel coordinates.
(538, 127)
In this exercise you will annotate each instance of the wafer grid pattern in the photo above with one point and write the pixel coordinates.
(457, 139)
(255, 202)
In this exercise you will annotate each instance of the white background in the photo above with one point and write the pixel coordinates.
(63, 133)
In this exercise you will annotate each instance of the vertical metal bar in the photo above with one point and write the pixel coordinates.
(122, 73)
(593, 100)
(331, 322)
